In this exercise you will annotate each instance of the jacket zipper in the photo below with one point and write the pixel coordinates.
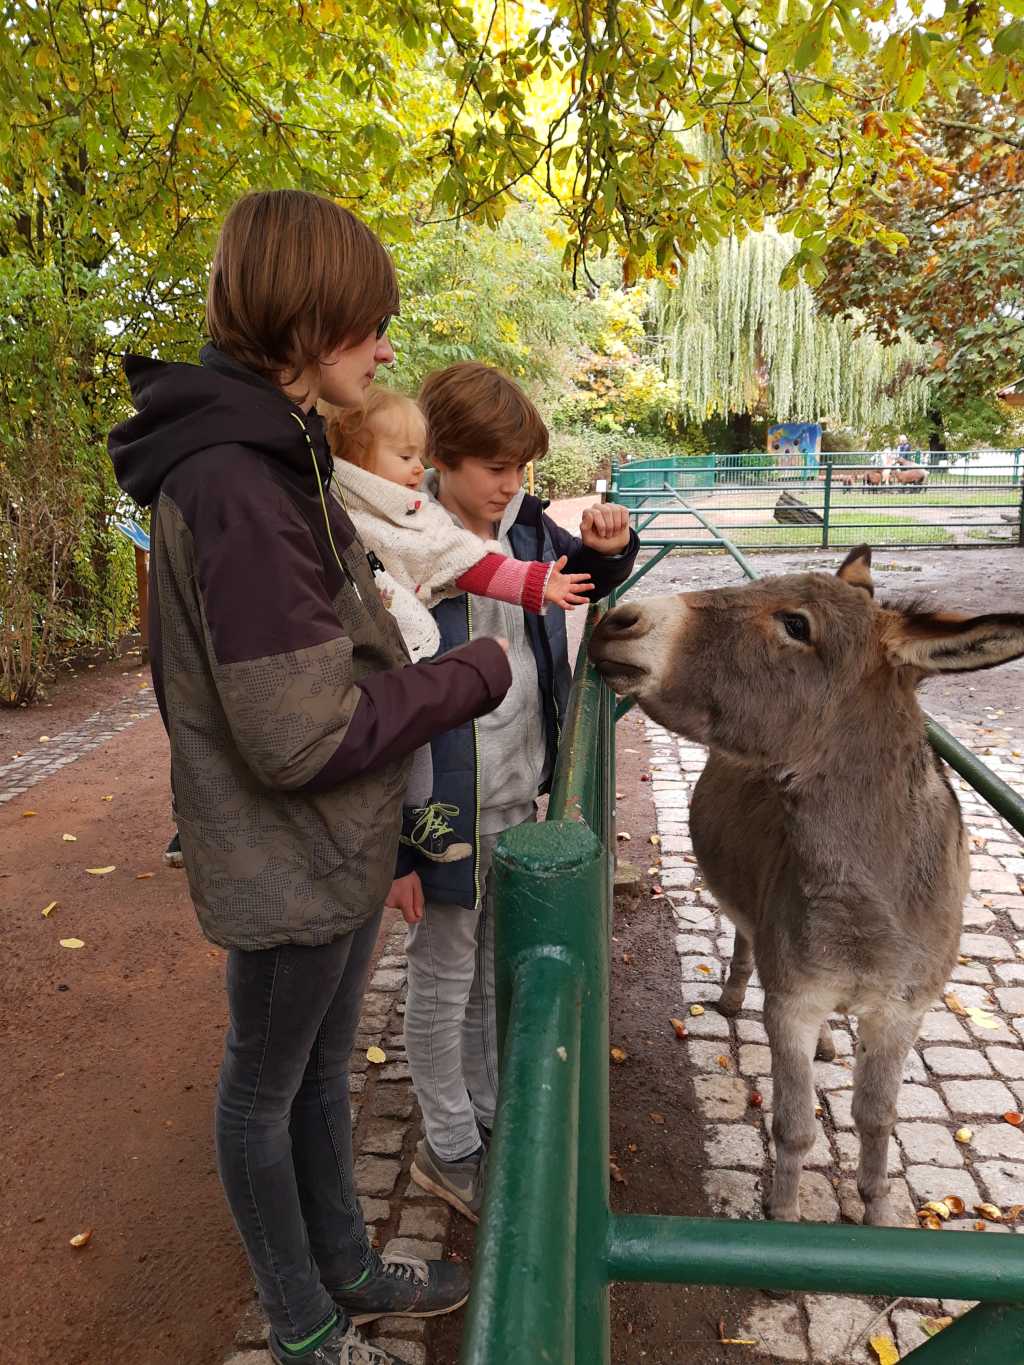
(323, 505)
(476, 774)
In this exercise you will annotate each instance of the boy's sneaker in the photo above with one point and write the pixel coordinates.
(344, 1346)
(172, 853)
(459, 1183)
(426, 829)
(404, 1286)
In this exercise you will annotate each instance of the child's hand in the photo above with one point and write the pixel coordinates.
(565, 589)
(406, 894)
(605, 528)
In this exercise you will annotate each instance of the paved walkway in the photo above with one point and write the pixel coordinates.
(960, 1074)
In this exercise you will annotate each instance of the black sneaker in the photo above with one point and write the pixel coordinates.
(405, 1287)
(172, 853)
(344, 1346)
(426, 829)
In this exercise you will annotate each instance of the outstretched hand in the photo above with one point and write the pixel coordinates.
(605, 528)
(567, 589)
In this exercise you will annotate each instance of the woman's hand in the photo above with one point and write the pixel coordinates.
(565, 589)
(406, 894)
(605, 528)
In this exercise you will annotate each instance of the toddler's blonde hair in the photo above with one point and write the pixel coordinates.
(352, 433)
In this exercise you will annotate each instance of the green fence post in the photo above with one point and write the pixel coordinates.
(539, 1288)
(826, 508)
(1020, 513)
(990, 1334)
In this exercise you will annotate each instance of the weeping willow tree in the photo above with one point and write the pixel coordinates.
(734, 342)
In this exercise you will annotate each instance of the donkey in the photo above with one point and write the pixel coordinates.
(823, 823)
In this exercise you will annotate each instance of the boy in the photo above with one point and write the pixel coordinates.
(291, 711)
(483, 431)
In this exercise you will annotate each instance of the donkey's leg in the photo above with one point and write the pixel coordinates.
(884, 1039)
(825, 1051)
(792, 1032)
(741, 969)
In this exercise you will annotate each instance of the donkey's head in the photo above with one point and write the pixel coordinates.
(767, 671)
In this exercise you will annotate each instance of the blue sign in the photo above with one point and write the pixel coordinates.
(795, 444)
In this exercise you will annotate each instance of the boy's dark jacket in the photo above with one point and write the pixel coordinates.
(283, 683)
(533, 535)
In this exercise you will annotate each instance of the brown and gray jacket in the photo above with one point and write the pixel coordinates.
(283, 682)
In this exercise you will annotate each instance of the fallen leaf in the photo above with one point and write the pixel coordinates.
(80, 1239)
(937, 1206)
(656, 1117)
(963, 1134)
(656, 840)
(679, 1026)
(981, 1017)
(44, 739)
(48, 910)
(724, 1062)
(704, 969)
(931, 1220)
(933, 1326)
(618, 1055)
(561, 1053)
(71, 943)
(964, 961)
(645, 777)
(624, 836)
(144, 876)
(631, 1147)
(28, 814)
(696, 1011)
(954, 1003)
(100, 871)
(652, 872)
(70, 838)
(980, 1227)
(106, 798)
(955, 1204)
(1014, 1118)
(885, 1349)
(990, 1212)
(627, 958)
(755, 1099)
(1014, 1211)
(377, 1055)
(616, 1174)
(657, 891)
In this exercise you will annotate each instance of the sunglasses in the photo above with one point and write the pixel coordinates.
(383, 325)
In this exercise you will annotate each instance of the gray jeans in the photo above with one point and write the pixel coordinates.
(450, 1023)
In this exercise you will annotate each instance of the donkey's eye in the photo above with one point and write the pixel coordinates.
(797, 627)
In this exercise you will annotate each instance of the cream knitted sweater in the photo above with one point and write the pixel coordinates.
(424, 554)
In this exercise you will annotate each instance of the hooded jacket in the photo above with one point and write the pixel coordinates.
(458, 754)
(283, 682)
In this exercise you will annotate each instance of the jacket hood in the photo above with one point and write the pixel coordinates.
(183, 409)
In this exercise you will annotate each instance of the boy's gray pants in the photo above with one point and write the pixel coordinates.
(450, 1018)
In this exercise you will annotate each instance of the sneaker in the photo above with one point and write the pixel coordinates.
(426, 829)
(172, 853)
(406, 1287)
(459, 1183)
(344, 1346)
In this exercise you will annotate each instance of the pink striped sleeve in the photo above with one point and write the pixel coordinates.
(521, 582)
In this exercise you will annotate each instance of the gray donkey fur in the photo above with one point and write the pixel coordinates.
(823, 823)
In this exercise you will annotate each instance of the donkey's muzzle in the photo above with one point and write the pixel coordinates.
(616, 647)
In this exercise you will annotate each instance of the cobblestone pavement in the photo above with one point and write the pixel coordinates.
(960, 1074)
(52, 754)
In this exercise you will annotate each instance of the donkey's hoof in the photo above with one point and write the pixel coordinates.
(784, 1213)
(879, 1213)
(826, 1049)
(729, 1005)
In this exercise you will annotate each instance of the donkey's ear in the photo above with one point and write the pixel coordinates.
(938, 642)
(856, 569)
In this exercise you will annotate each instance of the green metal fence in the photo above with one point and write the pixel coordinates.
(549, 1244)
(968, 500)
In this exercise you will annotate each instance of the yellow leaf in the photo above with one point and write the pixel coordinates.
(955, 1204)
(696, 1011)
(981, 1017)
(954, 1003)
(937, 1206)
(71, 943)
(28, 814)
(618, 1055)
(963, 1134)
(655, 839)
(44, 739)
(885, 1349)
(990, 1212)
(99, 871)
(70, 838)
(703, 968)
(81, 1238)
(144, 876)
(932, 1326)
(48, 910)
(376, 1055)
(106, 798)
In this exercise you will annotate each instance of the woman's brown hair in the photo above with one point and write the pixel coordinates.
(474, 409)
(295, 276)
